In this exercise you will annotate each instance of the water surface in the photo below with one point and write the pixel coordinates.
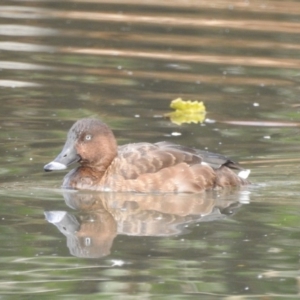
(123, 62)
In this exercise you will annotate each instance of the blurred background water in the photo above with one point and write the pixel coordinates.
(123, 62)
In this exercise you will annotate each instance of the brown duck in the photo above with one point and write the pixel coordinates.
(162, 167)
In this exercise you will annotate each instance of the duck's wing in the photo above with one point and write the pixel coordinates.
(219, 163)
(214, 160)
(143, 158)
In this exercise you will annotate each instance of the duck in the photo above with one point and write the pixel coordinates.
(162, 167)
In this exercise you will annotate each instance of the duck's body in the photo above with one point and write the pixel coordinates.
(141, 167)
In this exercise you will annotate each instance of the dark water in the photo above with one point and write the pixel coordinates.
(124, 61)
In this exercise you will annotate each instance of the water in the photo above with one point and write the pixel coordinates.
(123, 62)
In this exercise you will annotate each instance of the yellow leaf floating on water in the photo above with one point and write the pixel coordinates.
(187, 111)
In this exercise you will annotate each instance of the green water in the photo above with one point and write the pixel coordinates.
(123, 62)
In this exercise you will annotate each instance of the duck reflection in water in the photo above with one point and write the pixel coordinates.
(102, 216)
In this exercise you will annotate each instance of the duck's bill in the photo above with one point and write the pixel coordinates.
(54, 166)
(63, 160)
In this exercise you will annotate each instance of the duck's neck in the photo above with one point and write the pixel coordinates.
(96, 170)
(83, 177)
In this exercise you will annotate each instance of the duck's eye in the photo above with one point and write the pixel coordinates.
(88, 137)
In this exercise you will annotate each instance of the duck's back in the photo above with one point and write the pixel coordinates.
(167, 167)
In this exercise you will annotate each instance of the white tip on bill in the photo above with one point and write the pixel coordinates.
(53, 166)
(54, 216)
(244, 174)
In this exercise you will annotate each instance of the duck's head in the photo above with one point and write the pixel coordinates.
(90, 142)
